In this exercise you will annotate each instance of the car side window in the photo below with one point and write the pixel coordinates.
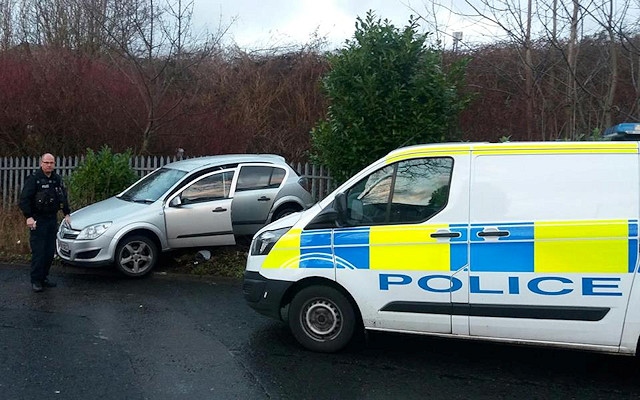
(213, 187)
(277, 176)
(259, 177)
(405, 192)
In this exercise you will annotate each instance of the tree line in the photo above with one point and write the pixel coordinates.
(131, 74)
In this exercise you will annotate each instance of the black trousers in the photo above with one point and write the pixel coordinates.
(43, 247)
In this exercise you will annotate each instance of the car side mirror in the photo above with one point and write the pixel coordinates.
(175, 202)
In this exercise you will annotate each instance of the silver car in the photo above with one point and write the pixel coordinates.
(199, 202)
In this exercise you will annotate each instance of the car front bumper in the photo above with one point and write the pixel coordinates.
(89, 253)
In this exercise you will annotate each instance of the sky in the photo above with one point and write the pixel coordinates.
(263, 24)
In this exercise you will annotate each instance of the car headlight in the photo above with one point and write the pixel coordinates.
(93, 231)
(263, 243)
(64, 227)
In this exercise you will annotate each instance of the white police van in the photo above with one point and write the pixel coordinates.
(517, 242)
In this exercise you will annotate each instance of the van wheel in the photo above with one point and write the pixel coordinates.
(136, 256)
(283, 212)
(322, 319)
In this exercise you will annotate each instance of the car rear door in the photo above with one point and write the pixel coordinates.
(255, 192)
(200, 213)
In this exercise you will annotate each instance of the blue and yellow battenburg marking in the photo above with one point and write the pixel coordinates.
(603, 246)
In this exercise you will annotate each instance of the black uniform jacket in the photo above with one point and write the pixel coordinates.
(37, 183)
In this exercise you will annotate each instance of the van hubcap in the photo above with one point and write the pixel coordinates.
(322, 319)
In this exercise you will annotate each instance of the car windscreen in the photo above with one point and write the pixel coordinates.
(154, 185)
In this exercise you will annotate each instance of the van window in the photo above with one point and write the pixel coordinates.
(213, 187)
(259, 177)
(405, 192)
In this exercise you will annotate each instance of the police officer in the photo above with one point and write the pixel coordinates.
(43, 195)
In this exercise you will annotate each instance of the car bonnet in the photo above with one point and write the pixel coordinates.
(107, 210)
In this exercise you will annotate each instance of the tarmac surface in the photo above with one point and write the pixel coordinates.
(101, 336)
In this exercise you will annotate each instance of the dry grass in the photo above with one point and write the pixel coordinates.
(14, 236)
(225, 261)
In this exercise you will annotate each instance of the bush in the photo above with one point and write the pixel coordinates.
(100, 176)
(387, 88)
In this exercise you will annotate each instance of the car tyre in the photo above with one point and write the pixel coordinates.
(322, 319)
(283, 212)
(136, 256)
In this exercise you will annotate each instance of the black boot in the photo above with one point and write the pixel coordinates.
(48, 283)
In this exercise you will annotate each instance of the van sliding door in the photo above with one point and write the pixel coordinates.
(553, 245)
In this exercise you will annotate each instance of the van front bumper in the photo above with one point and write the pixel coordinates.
(263, 294)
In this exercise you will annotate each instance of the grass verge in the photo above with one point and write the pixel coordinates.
(225, 261)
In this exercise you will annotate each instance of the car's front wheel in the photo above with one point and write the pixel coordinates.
(322, 319)
(136, 256)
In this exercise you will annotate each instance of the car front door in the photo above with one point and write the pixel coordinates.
(255, 192)
(200, 213)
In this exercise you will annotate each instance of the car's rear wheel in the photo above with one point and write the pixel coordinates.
(322, 319)
(136, 256)
(283, 212)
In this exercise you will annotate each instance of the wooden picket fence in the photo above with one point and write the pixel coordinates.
(14, 170)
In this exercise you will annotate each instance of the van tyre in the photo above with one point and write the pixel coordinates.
(322, 319)
(136, 256)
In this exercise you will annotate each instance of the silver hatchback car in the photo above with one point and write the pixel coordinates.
(199, 202)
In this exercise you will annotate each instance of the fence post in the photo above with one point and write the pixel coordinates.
(3, 176)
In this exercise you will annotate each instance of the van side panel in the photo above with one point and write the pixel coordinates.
(553, 245)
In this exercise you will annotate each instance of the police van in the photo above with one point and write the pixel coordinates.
(516, 242)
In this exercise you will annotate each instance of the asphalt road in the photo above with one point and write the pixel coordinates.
(100, 336)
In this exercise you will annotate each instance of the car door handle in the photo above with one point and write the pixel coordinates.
(446, 235)
(493, 233)
(219, 209)
(264, 198)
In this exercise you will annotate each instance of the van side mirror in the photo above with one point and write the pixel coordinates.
(331, 217)
(340, 205)
(326, 219)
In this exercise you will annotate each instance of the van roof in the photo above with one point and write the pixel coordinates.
(191, 164)
(513, 148)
